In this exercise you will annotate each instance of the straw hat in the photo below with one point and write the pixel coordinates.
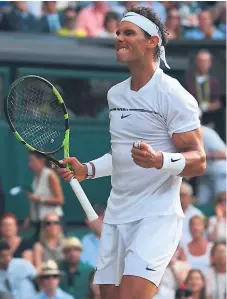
(72, 243)
(49, 268)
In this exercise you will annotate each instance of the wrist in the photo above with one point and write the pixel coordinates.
(159, 160)
(89, 170)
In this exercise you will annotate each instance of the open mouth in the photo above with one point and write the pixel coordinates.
(122, 49)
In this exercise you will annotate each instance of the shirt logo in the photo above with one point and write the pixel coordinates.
(149, 269)
(175, 160)
(124, 116)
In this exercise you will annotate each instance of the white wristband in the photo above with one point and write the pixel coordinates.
(173, 163)
(103, 166)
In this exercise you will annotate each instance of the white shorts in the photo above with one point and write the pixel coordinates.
(142, 248)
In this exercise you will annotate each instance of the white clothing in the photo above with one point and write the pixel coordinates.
(214, 179)
(216, 284)
(220, 227)
(201, 262)
(41, 187)
(152, 114)
(186, 234)
(137, 248)
(168, 285)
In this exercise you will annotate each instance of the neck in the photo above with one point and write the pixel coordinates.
(201, 73)
(11, 239)
(141, 72)
(50, 293)
(196, 295)
(73, 266)
(184, 208)
(220, 269)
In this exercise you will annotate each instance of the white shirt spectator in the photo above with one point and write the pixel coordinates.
(216, 284)
(219, 225)
(17, 279)
(201, 262)
(189, 213)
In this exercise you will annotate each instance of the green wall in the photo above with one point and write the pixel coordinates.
(89, 140)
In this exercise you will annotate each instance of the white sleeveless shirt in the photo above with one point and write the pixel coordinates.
(201, 262)
(41, 187)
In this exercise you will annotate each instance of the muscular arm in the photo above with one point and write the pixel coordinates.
(190, 145)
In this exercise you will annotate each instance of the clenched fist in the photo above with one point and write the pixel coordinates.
(146, 157)
(78, 170)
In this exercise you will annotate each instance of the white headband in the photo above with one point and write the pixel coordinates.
(149, 27)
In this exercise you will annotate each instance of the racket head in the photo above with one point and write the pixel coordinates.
(37, 115)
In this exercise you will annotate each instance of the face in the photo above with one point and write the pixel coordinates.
(195, 282)
(5, 258)
(9, 227)
(173, 19)
(219, 257)
(131, 44)
(50, 282)
(185, 197)
(112, 26)
(51, 225)
(51, 6)
(205, 20)
(35, 164)
(20, 5)
(203, 62)
(197, 228)
(72, 255)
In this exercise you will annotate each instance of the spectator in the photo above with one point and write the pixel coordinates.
(173, 24)
(110, 25)
(197, 284)
(175, 274)
(206, 28)
(216, 277)
(9, 233)
(76, 278)
(217, 223)
(205, 88)
(186, 197)
(51, 241)
(197, 251)
(219, 15)
(47, 196)
(91, 19)
(189, 11)
(52, 21)
(69, 28)
(91, 241)
(94, 291)
(16, 275)
(49, 278)
(213, 181)
(18, 19)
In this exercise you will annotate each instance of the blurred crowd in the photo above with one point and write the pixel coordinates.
(194, 20)
(57, 264)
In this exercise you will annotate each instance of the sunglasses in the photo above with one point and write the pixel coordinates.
(48, 223)
(55, 276)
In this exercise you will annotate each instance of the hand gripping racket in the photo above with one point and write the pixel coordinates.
(37, 115)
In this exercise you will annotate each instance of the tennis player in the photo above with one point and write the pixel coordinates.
(155, 141)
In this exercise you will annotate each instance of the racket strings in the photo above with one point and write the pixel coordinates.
(37, 115)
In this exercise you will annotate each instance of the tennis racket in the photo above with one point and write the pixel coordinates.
(37, 116)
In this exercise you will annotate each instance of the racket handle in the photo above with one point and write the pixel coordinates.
(85, 203)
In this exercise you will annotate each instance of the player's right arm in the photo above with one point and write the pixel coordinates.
(98, 168)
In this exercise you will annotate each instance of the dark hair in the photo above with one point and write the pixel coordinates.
(148, 13)
(8, 215)
(4, 245)
(202, 294)
(109, 16)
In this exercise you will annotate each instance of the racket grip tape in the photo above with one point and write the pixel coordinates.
(86, 205)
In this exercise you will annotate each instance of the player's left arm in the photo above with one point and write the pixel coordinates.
(190, 145)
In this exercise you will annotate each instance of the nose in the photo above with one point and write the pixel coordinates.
(120, 38)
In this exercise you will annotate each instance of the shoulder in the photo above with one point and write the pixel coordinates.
(118, 88)
(196, 211)
(62, 294)
(23, 264)
(85, 267)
